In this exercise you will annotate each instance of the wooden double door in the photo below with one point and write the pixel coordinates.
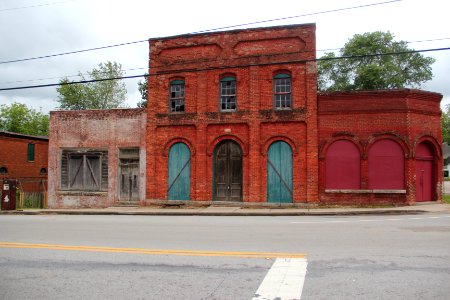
(228, 172)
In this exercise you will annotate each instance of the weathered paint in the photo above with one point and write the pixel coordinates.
(279, 173)
(424, 173)
(386, 166)
(179, 184)
(343, 166)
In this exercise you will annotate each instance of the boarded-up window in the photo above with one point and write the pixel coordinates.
(386, 165)
(84, 170)
(342, 166)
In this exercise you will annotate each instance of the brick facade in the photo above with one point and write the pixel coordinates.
(107, 131)
(199, 143)
(253, 57)
(14, 156)
(407, 117)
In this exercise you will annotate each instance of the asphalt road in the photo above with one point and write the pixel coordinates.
(354, 257)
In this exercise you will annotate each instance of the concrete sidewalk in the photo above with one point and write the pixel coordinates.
(212, 210)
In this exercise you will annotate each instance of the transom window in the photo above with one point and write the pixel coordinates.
(282, 91)
(228, 93)
(176, 96)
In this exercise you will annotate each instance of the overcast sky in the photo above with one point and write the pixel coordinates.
(31, 28)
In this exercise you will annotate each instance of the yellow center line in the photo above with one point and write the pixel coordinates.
(153, 251)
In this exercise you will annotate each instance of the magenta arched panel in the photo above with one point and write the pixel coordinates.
(386, 166)
(425, 182)
(342, 166)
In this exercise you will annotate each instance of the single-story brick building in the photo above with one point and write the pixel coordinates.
(23, 156)
(96, 158)
(235, 117)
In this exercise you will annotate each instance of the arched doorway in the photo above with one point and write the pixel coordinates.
(179, 183)
(425, 179)
(279, 173)
(227, 172)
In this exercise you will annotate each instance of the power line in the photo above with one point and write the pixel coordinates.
(38, 5)
(299, 16)
(225, 67)
(204, 31)
(71, 52)
(145, 68)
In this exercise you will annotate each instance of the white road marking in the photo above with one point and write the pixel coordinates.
(368, 220)
(284, 280)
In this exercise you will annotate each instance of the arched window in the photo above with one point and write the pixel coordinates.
(43, 171)
(176, 96)
(386, 166)
(3, 170)
(342, 165)
(282, 97)
(228, 93)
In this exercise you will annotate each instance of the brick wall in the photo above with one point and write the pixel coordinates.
(14, 156)
(253, 57)
(108, 130)
(405, 116)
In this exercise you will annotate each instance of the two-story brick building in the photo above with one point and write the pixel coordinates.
(235, 117)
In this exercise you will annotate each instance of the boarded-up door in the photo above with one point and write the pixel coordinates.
(228, 172)
(279, 173)
(179, 183)
(424, 173)
(129, 179)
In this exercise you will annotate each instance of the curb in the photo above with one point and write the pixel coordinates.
(200, 213)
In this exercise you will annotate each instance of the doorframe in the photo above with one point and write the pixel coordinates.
(214, 153)
(120, 156)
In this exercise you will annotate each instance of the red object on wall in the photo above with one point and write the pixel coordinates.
(343, 166)
(386, 166)
(424, 173)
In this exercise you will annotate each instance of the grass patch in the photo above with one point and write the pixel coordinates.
(446, 198)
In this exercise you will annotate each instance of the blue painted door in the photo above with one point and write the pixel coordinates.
(179, 183)
(279, 173)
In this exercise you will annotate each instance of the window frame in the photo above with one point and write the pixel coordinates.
(275, 81)
(222, 96)
(31, 152)
(174, 97)
(83, 169)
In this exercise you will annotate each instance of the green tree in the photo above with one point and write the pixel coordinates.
(446, 126)
(17, 117)
(369, 72)
(143, 89)
(99, 94)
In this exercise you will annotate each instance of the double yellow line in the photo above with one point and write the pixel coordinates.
(153, 251)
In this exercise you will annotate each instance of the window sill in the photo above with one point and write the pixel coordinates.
(366, 191)
(82, 193)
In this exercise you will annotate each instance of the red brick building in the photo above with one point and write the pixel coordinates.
(235, 116)
(96, 158)
(23, 156)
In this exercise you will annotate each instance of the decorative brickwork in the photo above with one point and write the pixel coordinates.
(253, 57)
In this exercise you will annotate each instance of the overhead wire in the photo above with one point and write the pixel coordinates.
(146, 68)
(226, 67)
(203, 31)
(37, 5)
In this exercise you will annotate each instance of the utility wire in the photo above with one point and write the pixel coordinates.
(226, 67)
(299, 16)
(38, 5)
(204, 31)
(145, 68)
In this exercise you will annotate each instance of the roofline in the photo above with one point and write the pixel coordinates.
(23, 136)
(80, 111)
(379, 92)
(197, 34)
